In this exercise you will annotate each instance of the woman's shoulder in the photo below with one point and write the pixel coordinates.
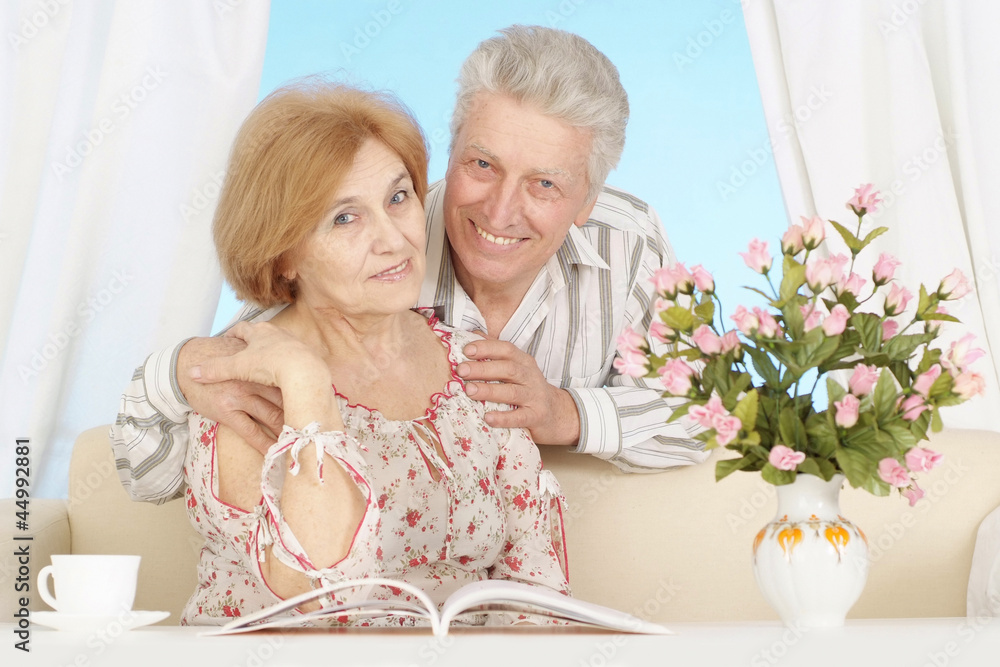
(454, 339)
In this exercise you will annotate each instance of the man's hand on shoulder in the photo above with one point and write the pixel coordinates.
(252, 410)
(500, 372)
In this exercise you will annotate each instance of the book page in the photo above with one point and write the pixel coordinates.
(522, 596)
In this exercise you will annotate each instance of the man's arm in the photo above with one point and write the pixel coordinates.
(150, 434)
(625, 421)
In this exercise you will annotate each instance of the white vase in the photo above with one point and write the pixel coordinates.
(810, 563)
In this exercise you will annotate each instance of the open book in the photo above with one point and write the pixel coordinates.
(493, 594)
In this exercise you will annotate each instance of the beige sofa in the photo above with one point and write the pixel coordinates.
(669, 547)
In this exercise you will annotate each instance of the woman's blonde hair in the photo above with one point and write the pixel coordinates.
(289, 158)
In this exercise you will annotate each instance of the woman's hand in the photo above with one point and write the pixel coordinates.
(272, 357)
(276, 358)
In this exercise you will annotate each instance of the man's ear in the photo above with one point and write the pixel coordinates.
(584, 215)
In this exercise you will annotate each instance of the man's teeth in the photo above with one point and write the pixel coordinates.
(499, 240)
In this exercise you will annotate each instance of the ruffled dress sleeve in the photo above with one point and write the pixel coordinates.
(535, 550)
(272, 529)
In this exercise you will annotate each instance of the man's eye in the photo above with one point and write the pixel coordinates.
(483, 164)
(547, 184)
(399, 197)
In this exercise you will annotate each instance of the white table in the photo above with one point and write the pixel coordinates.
(886, 643)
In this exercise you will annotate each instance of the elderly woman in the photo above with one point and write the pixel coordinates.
(385, 468)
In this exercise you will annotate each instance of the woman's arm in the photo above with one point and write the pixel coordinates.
(313, 517)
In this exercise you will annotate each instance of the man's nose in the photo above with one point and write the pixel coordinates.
(503, 205)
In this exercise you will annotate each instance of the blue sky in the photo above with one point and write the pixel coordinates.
(697, 142)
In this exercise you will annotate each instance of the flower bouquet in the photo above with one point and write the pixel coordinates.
(822, 317)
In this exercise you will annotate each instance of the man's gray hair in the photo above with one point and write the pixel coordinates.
(561, 74)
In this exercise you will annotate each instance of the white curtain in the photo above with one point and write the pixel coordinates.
(902, 94)
(115, 123)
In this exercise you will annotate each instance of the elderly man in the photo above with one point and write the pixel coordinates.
(524, 244)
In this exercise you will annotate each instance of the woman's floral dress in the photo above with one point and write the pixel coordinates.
(485, 509)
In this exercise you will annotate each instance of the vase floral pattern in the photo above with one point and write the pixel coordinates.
(810, 562)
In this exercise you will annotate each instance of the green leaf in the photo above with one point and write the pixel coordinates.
(833, 390)
(678, 318)
(705, 310)
(869, 327)
(823, 439)
(772, 475)
(884, 397)
(868, 442)
(936, 423)
(940, 316)
(679, 412)
(726, 467)
(821, 468)
(794, 278)
(764, 366)
(924, 303)
(901, 435)
(902, 372)
(791, 314)
(816, 352)
(746, 410)
(857, 469)
(792, 430)
(899, 348)
(872, 235)
(850, 239)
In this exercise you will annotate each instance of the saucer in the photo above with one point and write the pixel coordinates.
(87, 623)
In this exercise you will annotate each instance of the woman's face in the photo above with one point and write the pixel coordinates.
(366, 256)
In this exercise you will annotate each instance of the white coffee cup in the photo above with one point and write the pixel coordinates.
(94, 585)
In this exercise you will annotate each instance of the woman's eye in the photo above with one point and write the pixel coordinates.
(483, 164)
(399, 197)
(343, 219)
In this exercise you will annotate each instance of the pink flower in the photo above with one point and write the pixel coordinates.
(954, 286)
(819, 275)
(768, 327)
(631, 363)
(919, 459)
(913, 493)
(960, 354)
(852, 284)
(757, 257)
(922, 385)
(889, 329)
(791, 241)
(812, 315)
(865, 199)
(863, 379)
(893, 474)
(706, 340)
(813, 232)
(730, 341)
(745, 321)
(676, 376)
(660, 332)
(969, 384)
(896, 300)
(669, 280)
(847, 411)
(726, 428)
(703, 280)
(706, 414)
(785, 458)
(912, 407)
(835, 324)
(884, 268)
(630, 340)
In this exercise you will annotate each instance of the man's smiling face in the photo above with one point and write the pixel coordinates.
(516, 181)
